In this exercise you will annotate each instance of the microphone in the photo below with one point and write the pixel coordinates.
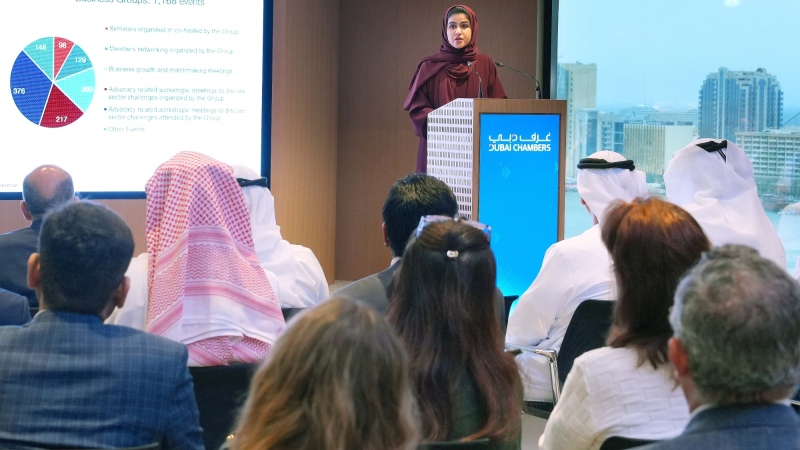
(480, 81)
(538, 85)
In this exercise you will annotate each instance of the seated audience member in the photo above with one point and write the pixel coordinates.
(67, 380)
(573, 270)
(409, 199)
(43, 190)
(337, 379)
(14, 308)
(713, 180)
(736, 352)
(200, 282)
(466, 386)
(293, 270)
(627, 388)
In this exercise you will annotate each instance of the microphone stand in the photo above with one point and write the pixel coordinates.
(538, 85)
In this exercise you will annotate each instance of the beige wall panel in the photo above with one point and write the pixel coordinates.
(381, 43)
(132, 211)
(304, 124)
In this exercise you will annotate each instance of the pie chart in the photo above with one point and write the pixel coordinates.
(52, 82)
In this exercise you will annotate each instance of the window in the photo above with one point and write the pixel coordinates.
(657, 75)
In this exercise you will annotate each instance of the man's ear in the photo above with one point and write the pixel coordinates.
(385, 234)
(25, 212)
(677, 354)
(121, 293)
(34, 271)
(117, 298)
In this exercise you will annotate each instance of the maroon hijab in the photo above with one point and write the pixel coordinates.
(448, 58)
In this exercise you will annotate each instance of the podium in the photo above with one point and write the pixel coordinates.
(504, 161)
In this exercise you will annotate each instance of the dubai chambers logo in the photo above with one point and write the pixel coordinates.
(518, 143)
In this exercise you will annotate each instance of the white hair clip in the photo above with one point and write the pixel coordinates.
(452, 253)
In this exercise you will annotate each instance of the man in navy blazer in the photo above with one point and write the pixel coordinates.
(14, 309)
(69, 381)
(736, 352)
(46, 188)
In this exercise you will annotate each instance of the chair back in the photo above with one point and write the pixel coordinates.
(587, 330)
(621, 443)
(288, 313)
(220, 392)
(509, 302)
(482, 443)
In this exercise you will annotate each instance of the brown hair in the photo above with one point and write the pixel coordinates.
(443, 310)
(337, 379)
(652, 244)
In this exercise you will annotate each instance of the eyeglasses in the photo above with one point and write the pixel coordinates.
(424, 221)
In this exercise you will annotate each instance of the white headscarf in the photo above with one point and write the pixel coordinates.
(601, 187)
(721, 194)
(297, 273)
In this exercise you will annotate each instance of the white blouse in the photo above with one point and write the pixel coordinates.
(607, 395)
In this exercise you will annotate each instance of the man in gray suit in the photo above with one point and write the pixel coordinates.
(409, 199)
(69, 381)
(736, 352)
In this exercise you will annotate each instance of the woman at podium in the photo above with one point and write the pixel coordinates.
(457, 70)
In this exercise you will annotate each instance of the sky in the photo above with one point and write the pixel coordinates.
(659, 52)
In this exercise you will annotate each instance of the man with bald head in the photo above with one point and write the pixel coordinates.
(43, 190)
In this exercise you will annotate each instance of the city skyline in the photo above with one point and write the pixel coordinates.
(659, 53)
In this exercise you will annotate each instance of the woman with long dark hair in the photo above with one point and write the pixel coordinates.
(627, 389)
(466, 386)
(457, 70)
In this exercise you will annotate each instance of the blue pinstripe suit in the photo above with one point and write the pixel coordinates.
(68, 380)
(750, 427)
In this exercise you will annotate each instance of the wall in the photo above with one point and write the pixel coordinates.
(381, 43)
(304, 124)
(133, 211)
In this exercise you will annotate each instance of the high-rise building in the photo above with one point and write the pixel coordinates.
(776, 160)
(612, 125)
(577, 84)
(734, 101)
(589, 137)
(652, 146)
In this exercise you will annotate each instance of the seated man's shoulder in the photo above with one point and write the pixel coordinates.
(27, 234)
(51, 329)
(371, 290)
(14, 308)
(588, 240)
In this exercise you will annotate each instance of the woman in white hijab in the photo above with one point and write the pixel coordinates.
(713, 180)
(293, 270)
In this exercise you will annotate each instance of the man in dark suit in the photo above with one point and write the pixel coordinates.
(69, 381)
(43, 190)
(736, 352)
(14, 309)
(409, 199)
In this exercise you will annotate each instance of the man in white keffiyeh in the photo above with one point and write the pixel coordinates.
(294, 272)
(713, 180)
(573, 270)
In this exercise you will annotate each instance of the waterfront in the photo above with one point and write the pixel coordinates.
(577, 220)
